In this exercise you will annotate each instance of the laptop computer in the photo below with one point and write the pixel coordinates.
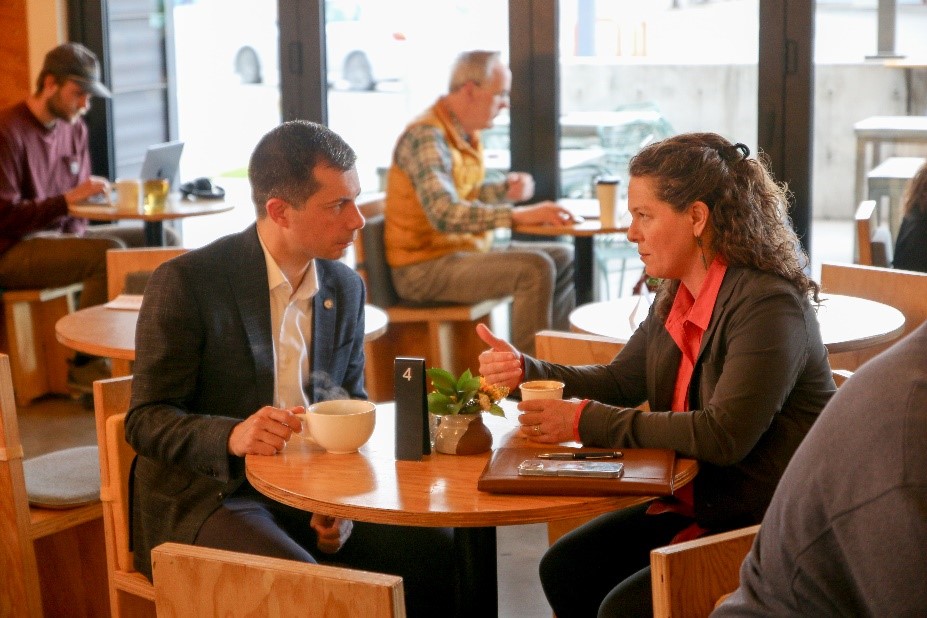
(162, 161)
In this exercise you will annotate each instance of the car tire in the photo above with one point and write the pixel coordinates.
(248, 66)
(358, 73)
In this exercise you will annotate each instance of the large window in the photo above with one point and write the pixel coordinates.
(388, 61)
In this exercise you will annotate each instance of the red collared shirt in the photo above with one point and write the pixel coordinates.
(686, 323)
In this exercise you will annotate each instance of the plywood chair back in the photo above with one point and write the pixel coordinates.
(50, 559)
(130, 592)
(688, 578)
(566, 348)
(134, 265)
(444, 334)
(199, 581)
(903, 289)
(874, 242)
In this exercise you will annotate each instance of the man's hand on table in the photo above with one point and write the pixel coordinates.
(265, 432)
(543, 213)
(87, 189)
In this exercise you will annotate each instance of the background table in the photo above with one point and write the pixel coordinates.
(873, 132)
(847, 322)
(583, 235)
(438, 491)
(101, 331)
(177, 208)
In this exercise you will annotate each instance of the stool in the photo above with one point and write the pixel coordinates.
(39, 363)
(889, 179)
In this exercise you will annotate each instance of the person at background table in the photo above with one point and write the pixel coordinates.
(441, 211)
(236, 338)
(730, 359)
(846, 530)
(911, 247)
(44, 169)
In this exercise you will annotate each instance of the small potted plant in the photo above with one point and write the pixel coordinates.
(458, 403)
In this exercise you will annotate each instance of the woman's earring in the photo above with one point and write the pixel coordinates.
(701, 250)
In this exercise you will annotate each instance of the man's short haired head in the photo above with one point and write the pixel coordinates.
(473, 66)
(283, 162)
(73, 61)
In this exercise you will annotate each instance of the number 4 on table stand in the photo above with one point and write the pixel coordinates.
(412, 437)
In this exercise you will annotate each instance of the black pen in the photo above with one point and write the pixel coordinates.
(579, 455)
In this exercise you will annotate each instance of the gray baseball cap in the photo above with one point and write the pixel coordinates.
(77, 63)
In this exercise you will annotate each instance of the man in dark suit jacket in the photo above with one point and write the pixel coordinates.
(233, 340)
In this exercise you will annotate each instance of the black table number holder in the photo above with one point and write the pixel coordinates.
(413, 440)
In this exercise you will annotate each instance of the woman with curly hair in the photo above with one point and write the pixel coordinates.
(730, 361)
(911, 246)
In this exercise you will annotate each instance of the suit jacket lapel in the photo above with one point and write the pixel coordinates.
(324, 313)
(248, 283)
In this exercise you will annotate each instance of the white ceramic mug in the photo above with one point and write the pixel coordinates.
(541, 389)
(341, 425)
(128, 194)
(606, 190)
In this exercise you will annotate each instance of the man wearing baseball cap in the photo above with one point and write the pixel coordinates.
(44, 169)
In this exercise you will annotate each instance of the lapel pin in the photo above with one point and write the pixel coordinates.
(328, 303)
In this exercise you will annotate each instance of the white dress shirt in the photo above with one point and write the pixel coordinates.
(291, 324)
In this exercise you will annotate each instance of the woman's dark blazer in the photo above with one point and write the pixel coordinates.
(205, 361)
(760, 380)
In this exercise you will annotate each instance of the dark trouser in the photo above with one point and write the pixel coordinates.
(603, 567)
(424, 557)
(55, 260)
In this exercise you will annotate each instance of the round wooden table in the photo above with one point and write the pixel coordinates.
(177, 208)
(372, 486)
(847, 323)
(583, 235)
(101, 331)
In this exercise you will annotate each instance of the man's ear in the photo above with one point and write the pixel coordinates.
(278, 211)
(699, 212)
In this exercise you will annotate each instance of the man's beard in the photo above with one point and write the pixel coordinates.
(59, 111)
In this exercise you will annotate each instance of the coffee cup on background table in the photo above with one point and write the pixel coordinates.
(606, 190)
(339, 426)
(541, 389)
(128, 194)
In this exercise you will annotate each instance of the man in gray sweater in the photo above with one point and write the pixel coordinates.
(846, 531)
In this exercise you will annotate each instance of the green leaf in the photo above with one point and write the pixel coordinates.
(442, 381)
(468, 383)
(438, 403)
(495, 410)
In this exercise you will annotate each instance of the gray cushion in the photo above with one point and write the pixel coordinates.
(63, 479)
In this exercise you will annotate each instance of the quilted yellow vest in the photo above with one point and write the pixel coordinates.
(409, 237)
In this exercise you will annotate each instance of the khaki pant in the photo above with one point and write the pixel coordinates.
(538, 276)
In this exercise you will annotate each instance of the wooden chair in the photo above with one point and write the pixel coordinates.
(133, 266)
(568, 348)
(130, 592)
(903, 289)
(444, 334)
(198, 581)
(689, 578)
(39, 363)
(874, 241)
(51, 560)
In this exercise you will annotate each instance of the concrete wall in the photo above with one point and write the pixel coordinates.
(722, 98)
